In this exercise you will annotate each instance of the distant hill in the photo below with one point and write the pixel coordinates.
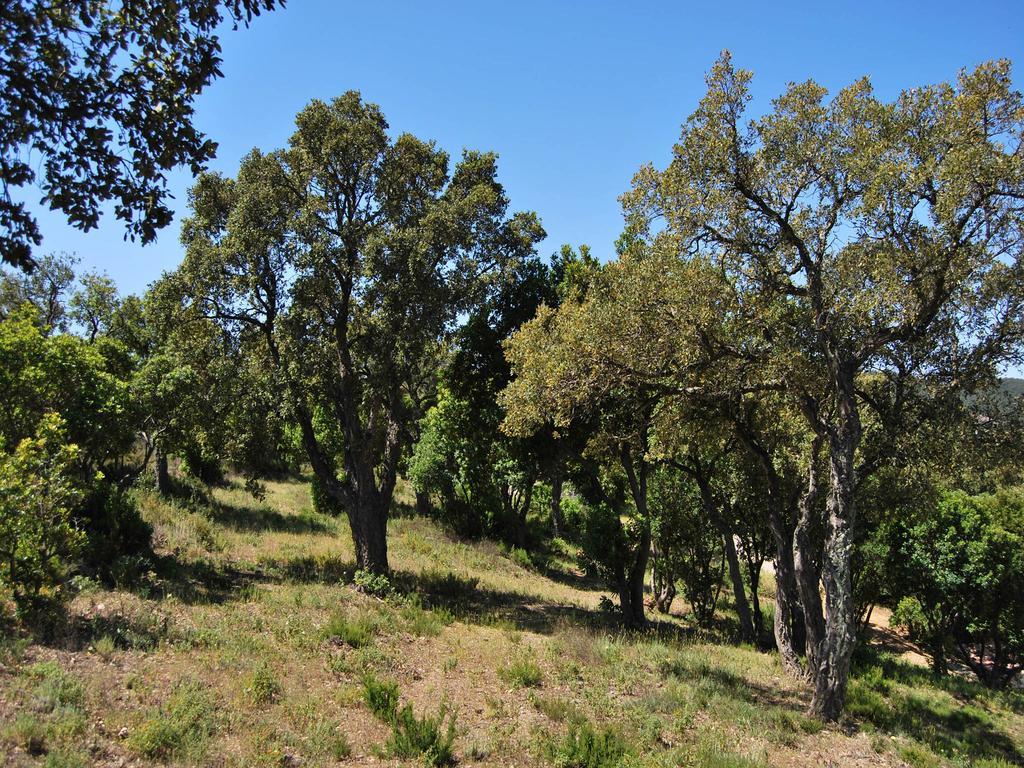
(1012, 386)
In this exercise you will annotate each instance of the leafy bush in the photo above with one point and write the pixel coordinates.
(376, 584)
(181, 729)
(425, 737)
(586, 747)
(263, 686)
(38, 492)
(381, 697)
(959, 569)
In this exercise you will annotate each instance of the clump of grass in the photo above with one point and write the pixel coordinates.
(263, 687)
(424, 737)
(427, 737)
(556, 708)
(180, 730)
(381, 697)
(55, 690)
(28, 732)
(354, 632)
(105, 647)
(522, 672)
(587, 747)
(520, 557)
(65, 758)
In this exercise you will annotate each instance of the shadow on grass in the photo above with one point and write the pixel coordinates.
(249, 518)
(954, 729)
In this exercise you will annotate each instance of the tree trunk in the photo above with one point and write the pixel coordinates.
(739, 592)
(161, 476)
(806, 568)
(369, 524)
(663, 583)
(557, 524)
(787, 603)
(840, 628)
(423, 507)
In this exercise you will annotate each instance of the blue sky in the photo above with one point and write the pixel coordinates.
(574, 96)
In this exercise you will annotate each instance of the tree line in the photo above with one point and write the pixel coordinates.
(793, 356)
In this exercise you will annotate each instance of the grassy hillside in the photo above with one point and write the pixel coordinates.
(245, 645)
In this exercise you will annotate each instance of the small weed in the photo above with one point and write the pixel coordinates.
(105, 647)
(425, 737)
(523, 672)
(586, 747)
(65, 758)
(368, 583)
(381, 697)
(556, 708)
(353, 632)
(28, 732)
(263, 686)
(181, 730)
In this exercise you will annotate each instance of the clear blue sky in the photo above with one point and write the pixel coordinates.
(574, 96)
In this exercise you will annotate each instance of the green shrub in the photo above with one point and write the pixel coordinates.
(381, 697)
(38, 492)
(263, 686)
(28, 732)
(65, 758)
(586, 747)
(520, 557)
(56, 689)
(374, 584)
(181, 729)
(523, 672)
(426, 737)
(354, 632)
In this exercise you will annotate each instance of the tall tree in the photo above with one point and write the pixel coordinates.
(102, 93)
(862, 237)
(348, 258)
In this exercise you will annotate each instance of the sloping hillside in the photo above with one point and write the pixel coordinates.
(245, 645)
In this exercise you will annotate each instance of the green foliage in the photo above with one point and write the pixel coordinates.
(376, 584)
(180, 729)
(426, 737)
(381, 697)
(587, 747)
(97, 95)
(38, 492)
(355, 632)
(957, 571)
(263, 687)
(376, 281)
(521, 672)
(690, 548)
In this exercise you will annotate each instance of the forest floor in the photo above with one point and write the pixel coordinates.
(245, 645)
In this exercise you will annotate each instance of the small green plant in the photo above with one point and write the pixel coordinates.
(586, 747)
(105, 647)
(339, 748)
(56, 689)
(523, 672)
(354, 632)
(426, 737)
(65, 758)
(374, 584)
(520, 557)
(28, 732)
(381, 697)
(263, 686)
(181, 729)
(555, 707)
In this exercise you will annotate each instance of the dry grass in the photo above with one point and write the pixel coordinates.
(244, 646)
